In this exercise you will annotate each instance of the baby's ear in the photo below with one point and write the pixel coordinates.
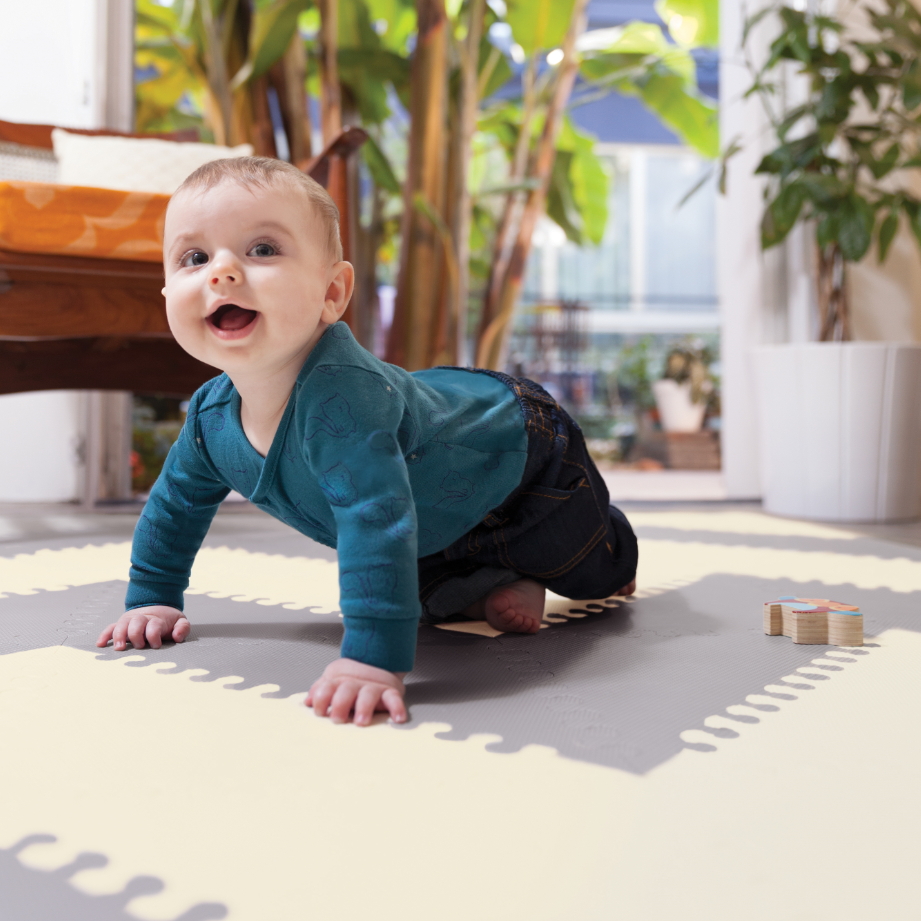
(339, 291)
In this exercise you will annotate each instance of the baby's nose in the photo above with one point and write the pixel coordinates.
(223, 276)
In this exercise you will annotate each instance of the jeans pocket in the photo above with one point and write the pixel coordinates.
(556, 495)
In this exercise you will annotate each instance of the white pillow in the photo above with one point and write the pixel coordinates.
(27, 164)
(132, 164)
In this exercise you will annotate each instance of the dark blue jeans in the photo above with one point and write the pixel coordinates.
(557, 527)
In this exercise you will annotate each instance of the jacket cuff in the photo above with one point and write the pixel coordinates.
(387, 644)
(144, 595)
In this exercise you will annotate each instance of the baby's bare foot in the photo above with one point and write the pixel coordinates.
(628, 589)
(515, 608)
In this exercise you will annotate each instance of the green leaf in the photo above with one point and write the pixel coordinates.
(399, 20)
(590, 189)
(913, 211)
(588, 181)
(149, 14)
(826, 231)
(499, 70)
(823, 189)
(689, 115)
(886, 163)
(855, 228)
(377, 63)
(561, 206)
(781, 214)
(379, 166)
(628, 50)
(539, 24)
(887, 234)
(692, 23)
(367, 73)
(911, 86)
(526, 185)
(272, 30)
(355, 29)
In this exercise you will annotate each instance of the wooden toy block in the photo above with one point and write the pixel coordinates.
(814, 621)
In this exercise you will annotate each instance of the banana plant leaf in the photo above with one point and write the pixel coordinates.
(638, 60)
(273, 27)
(693, 23)
(539, 24)
(577, 199)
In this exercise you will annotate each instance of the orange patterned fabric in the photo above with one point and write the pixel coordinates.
(37, 217)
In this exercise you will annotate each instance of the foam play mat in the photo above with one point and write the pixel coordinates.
(653, 759)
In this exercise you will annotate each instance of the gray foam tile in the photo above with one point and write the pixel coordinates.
(46, 895)
(615, 688)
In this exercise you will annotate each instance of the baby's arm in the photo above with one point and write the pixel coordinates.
(152, 623)
(347, 685)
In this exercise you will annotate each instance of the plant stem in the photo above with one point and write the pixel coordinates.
(330, 93)
(493, 345)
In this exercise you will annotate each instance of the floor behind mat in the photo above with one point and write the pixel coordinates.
(656, 758)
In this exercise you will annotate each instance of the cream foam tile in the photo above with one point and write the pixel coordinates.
(266, 578)
(230, 797)
(56, 570)
(684, 562)
(220, 572)
(226, 796)
(736, 522)
(811, 813)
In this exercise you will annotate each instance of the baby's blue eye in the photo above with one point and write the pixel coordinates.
(195, 258)
(263, 249)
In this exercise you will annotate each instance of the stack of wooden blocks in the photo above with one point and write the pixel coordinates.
(814, 621)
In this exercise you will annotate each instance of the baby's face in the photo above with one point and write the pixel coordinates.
(247, 277)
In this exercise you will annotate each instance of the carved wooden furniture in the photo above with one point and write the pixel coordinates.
(74, 322)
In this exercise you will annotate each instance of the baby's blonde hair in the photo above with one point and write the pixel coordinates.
(263, 172)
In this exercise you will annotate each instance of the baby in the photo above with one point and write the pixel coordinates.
(446, 492)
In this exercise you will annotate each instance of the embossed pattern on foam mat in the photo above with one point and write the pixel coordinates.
(691, 743)
(615, 684)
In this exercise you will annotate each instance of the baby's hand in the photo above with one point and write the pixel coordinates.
(346, 685)
(154, 624)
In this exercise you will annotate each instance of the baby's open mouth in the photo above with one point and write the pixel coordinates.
(230, 317)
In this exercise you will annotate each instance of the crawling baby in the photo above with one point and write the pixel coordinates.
(446, 492)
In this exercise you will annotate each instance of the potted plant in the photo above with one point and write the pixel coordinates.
(840, 423)
(685, 389)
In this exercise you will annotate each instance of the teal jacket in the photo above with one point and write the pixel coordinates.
(384, 465)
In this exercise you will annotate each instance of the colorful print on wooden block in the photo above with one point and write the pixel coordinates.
(814, 621)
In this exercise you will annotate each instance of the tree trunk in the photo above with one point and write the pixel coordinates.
(365, 299)
(262, 134)
(493, 345)
(218, 78)
(330, 93)
(287, 77)
(359, 315)
(834, 313)
(468, 109)
(419, 285)
(502, 246)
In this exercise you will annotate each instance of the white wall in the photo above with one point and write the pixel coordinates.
(743, 276)
(48, 55)
(68, 63)
(42, 442)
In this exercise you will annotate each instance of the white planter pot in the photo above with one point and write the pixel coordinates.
(840, 430)
(677, 412)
